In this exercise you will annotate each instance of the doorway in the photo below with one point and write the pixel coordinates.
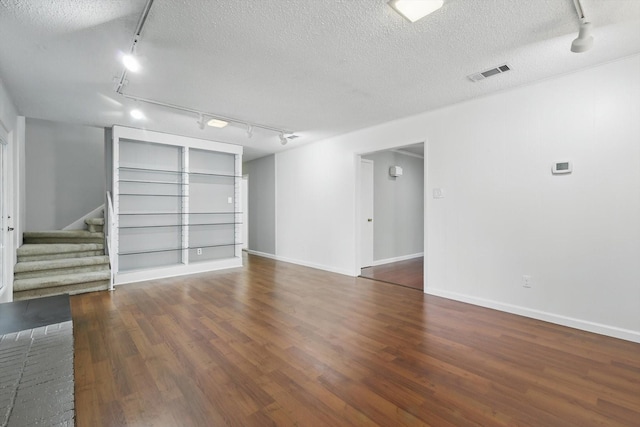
(398, 216)
(3, 213)
(245, 212)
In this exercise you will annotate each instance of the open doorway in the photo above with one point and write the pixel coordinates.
(396, 178)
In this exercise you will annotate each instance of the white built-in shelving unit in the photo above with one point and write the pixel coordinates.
(176, 204)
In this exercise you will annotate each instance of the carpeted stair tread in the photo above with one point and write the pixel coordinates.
(94, 221)
(56, 248)
(60, 280)
(63, 236)
(22, 267)
(74, 289)
(61, 233)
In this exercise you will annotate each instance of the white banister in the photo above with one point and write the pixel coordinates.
(109, 224)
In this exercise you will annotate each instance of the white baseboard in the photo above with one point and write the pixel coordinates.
(397, 259)
(173, 271)
(314, 265)
(262, 254)
(585, 325)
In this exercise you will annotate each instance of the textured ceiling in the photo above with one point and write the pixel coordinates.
(319, 68)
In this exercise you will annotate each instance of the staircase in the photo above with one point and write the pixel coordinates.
(62, 262)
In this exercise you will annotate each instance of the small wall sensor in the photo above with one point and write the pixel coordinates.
(395, 171)
(561, 167)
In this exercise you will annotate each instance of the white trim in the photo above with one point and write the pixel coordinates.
(121, 132)
(180, 270)
(316, 266)
(585, 325)
(262, 254)
(406, 153)
(397, 259)
(79, 223)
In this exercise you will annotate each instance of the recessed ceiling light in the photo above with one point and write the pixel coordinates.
(137, 114)
(131, 63)
(217, 123)
(413, 10)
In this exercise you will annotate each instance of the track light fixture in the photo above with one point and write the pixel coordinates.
(584, 42)
(131, 62)
(204, 118)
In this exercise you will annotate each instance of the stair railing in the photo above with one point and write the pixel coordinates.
(109, 224)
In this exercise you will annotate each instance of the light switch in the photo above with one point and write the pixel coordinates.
(438, 193)
(229, 200)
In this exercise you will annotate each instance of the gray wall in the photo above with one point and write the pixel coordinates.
(64, 173)
(262, 204)
(398, 226)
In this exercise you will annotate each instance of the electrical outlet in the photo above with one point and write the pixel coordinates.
(526, 281)
(199, 251)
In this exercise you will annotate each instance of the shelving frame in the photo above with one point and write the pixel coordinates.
(176, 202)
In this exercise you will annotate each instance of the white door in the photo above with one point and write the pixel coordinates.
(366, 215)
(245, 212)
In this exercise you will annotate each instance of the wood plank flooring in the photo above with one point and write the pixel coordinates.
(409, 273)
(279, 344)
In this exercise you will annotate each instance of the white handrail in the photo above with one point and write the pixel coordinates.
(109, 223)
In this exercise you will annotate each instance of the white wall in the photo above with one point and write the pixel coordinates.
(65, 173)
(13, 132)
(398, 211)
(504, 214)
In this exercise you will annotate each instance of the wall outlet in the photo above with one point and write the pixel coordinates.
(199, 251)
(526, 281)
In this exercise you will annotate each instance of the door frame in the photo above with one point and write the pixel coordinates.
(361, 224)
(358, 201)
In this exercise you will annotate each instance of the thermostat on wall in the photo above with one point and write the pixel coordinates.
(561, 167)
(395, 171)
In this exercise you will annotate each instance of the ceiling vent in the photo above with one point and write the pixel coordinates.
(492, 72)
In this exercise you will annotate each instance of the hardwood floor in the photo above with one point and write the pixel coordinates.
(409, 273)
(279, 344)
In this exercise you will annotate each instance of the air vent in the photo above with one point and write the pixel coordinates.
(492, 72)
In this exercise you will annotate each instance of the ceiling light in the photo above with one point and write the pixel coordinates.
(283, 140)
(249, 131)
(413, 10)
(136, 114)
(215, 123)
(584, 42)
(131, 63)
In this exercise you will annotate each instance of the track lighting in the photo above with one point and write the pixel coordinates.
(584, 42)
(201, 121)
(131, 62)
(136, 114)
(283, 140)
(249, 131)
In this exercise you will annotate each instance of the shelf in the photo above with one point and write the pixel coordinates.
(177, 249)
(181, 213)
(153, 195)
(132, 169)
(149, 226)
(144, 181)
(180, 225)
